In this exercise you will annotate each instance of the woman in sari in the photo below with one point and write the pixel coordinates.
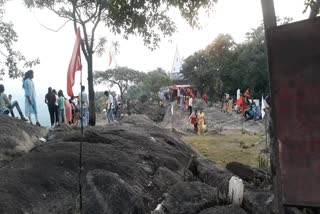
(193, 121)
(201, 122)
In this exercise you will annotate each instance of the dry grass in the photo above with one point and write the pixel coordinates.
(223, 149)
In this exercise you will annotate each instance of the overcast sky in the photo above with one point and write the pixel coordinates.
(54, 49)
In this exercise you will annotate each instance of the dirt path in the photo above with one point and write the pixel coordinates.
(216, 120)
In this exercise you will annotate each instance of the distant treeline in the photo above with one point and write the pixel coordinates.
(224, 66)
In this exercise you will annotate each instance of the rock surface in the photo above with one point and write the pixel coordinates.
(234, 209)
(216, 120)
(153, 111)
(130, 167)
(17, 138)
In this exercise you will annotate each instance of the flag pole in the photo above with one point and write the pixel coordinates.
(81, 144)
(81, 104)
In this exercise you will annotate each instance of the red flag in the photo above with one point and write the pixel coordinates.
(110, 58)
(74, 65)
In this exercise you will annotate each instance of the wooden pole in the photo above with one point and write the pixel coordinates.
(270, 21)
(269, 14)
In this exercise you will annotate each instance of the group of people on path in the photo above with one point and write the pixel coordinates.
(7, 106)
(198, 121)
(185, 99)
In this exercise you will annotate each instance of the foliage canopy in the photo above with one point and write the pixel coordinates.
(146, 18)
(10, 59)
(224, 66)
(122, 77)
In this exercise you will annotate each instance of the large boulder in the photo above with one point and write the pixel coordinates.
(249, 174)
(190, 198)
(154, 111)
(17, 137)
(232, 209)
(125, 168)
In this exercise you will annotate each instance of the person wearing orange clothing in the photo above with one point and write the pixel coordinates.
(201, 122)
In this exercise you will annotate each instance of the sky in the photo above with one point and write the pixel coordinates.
(54, 49)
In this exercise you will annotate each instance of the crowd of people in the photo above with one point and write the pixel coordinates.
(73, 111)
(249, 109)
(184, 97)
(63, 110)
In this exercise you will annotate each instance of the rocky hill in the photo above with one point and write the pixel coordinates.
(132, 167)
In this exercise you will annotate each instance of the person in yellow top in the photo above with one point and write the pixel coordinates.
(201, 122)
(230, 105)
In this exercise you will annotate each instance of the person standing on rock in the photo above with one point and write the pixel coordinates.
(61, 107)
(190, 104)
(201, 122)
(50, 100)
(110, 106)
(30, 97)
(85, 105)
(56, 109)
(230, 105)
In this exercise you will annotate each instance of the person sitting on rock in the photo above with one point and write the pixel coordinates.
(249, 114)
(6, 106)
(256, 113)
(17, 106)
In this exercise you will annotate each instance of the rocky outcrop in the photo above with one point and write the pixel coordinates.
(249, 174)
(234, 209)
(131, 167)
(17, 138)
(154, 111)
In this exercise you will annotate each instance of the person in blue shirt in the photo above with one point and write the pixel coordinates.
(256, 112)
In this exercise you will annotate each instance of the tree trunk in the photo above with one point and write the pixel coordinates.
(314, 9)
(92, 106)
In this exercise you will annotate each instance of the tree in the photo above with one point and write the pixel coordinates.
(154, 80)
(224, 66)
(251, 67)
(122, 77)
(138, 93)
(146, 18)
(314, 6)
(10, 58)
(207, 69)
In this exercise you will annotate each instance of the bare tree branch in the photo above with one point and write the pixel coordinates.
(45, 27)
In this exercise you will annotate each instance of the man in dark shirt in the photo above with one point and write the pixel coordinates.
(50, 100)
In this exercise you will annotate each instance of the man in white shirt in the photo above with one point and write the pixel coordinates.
(85, 104)
(110, 106)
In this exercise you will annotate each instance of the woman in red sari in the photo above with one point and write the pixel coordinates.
(193, 118)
